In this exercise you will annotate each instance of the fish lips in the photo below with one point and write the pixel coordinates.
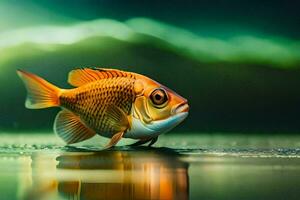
(181, 108)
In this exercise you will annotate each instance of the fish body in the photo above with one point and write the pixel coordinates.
(109, 102)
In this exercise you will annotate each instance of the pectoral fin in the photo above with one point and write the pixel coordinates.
(141, 142)
(119, 121)
(153, 141)
(70, 128)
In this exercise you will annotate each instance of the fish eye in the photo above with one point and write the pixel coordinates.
(159, 97)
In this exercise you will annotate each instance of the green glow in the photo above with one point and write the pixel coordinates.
(278, 52)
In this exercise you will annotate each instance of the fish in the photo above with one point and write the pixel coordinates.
(112, 103)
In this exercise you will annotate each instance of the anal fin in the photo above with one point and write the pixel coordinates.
(70, 128)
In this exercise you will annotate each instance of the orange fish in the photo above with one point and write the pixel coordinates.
(109, 102)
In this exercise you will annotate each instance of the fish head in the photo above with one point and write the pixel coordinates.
(158, 108)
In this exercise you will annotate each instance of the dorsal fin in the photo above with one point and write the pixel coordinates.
(79, 77)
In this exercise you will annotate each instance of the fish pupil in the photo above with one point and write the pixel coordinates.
(158, 97)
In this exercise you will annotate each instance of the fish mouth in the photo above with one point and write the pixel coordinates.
(181, 108)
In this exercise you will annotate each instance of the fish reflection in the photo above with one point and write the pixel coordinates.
(154, 174)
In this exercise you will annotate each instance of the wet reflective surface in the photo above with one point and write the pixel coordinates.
(45, 169)
(111, 175)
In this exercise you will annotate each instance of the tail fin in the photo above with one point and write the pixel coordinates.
(40, 93)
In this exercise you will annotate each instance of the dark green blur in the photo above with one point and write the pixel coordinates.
(237, 63)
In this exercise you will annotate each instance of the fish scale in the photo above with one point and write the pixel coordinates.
(91, 101)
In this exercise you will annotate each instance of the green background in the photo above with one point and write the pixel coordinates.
(238, 63)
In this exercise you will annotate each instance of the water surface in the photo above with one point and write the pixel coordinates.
(183, 166)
